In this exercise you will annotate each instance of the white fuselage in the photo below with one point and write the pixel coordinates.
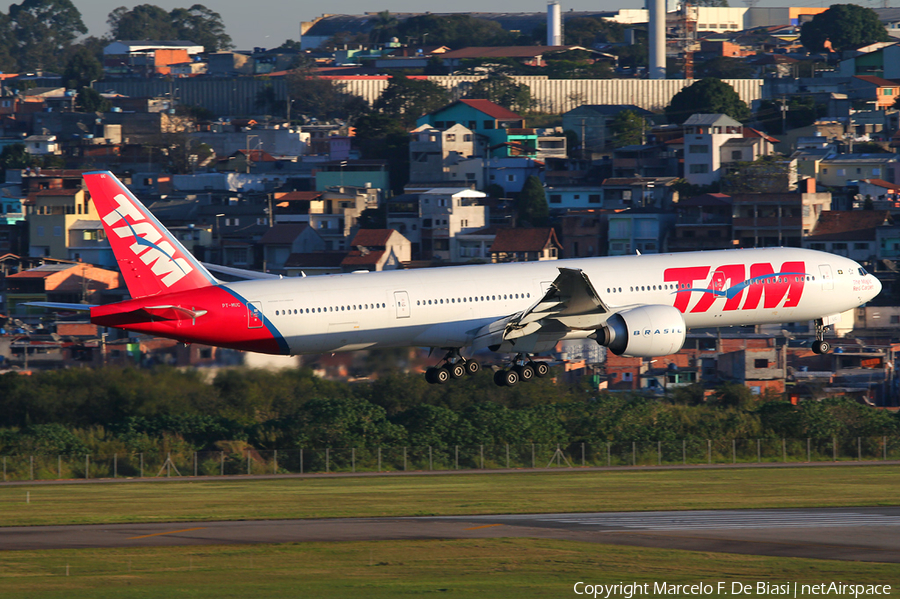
(444, 307)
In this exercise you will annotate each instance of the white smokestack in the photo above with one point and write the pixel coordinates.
(554, 24)
(657, 40)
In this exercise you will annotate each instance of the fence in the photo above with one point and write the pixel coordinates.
(480, 457)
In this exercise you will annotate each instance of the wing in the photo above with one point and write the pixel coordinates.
(60, 307)
(570, 303)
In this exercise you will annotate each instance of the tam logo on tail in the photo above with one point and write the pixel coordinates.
(158, 255)
(151, 259)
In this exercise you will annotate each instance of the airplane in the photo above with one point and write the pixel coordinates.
(639, 305)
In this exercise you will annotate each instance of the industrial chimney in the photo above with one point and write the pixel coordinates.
(657, 17)
(554, 24)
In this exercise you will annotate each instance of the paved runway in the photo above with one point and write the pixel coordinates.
(859, 534)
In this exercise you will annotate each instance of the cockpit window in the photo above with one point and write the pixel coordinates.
(862, 271)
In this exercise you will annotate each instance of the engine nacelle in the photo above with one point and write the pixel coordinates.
(644, 332)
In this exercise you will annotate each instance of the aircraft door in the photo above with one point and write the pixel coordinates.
(718, 281)
(254, 315)
(827, 277)
(401, 299)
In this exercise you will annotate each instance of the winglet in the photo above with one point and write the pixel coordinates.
(151, 259)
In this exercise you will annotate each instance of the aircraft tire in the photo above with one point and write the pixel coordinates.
(821, 347)
(472, 367)
(431, 375)
(442, 375)
(510, 378)
(541, 369)
(457, 371)
(525, 372)
(498, 378)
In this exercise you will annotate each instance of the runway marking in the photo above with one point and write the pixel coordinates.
(482, 526)
(172, 532)
(725, 520)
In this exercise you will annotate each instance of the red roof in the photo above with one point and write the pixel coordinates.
(524, 240)
(372, 237)
(257, 155)
(299, 196)
(882, 183)
(751, 132)
(492, 110)
(843, 225)
(879, 81)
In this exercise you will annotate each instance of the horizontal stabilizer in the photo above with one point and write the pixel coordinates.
(148, 314)
(242, 273)
(60, 307)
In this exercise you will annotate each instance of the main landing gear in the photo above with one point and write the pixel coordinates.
(820, 346)
(453, 366)
(522, 368)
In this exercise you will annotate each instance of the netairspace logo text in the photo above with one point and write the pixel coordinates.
(786, 589)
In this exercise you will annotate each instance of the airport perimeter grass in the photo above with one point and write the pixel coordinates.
(496, 568)
(538, 492)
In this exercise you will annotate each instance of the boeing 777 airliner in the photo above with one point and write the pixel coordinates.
(634, 305)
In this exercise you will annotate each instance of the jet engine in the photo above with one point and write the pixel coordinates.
(643, 332)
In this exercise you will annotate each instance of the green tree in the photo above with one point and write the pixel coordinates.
(44, 30)
(455, 31)
(502, 90)
(408, 99)
(197, 24)
(143, 22)
(707, 96)
(323, 99)
(383, 137)
(801, 111)
(90, 100)
(587, 31)
(627, 129)
(845, 26)
(531, 203)
(14, 156)
(384, 28)
(201, 25)
(82, 68)
(766, 174)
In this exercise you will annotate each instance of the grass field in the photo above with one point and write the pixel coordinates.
(570, 491)
(495, 568)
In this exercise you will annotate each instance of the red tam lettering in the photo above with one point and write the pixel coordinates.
(684, 279)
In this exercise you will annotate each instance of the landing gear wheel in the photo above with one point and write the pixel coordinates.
(525, 372)
(457, 371)
(442, 376)
(540, 369)
(510, 378)
(472, 367)
(821, 347)
(431, 375)
(499, 378)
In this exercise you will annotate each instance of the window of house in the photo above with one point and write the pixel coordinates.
(860, 246)
(895, 318)
(839, 246)
(594, 198)
(488, 124)
(699, 168)
(57, 231)
(451, 137)
(698, 149)
(736, 154)
(760, 363)
(510, 178)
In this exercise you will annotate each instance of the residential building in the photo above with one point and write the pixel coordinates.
(584, 233)
(776, 219)
(838, 170)
(639, 229)
(50, 214)
(42, 145)
(334, 213)
(703, 223)
(88, 243)
(759, 368)
(525, 245)
(377, 250)
(499, 131)
(146, 58)
(879, 92)
(65, 283)
(280, 241)
(848, 233)
(704, 136)
(352, 173)
(444, 213)
(432, 152)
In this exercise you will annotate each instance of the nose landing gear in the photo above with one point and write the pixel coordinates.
(820, 346)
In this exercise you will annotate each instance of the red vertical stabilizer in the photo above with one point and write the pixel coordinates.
(152, 261)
